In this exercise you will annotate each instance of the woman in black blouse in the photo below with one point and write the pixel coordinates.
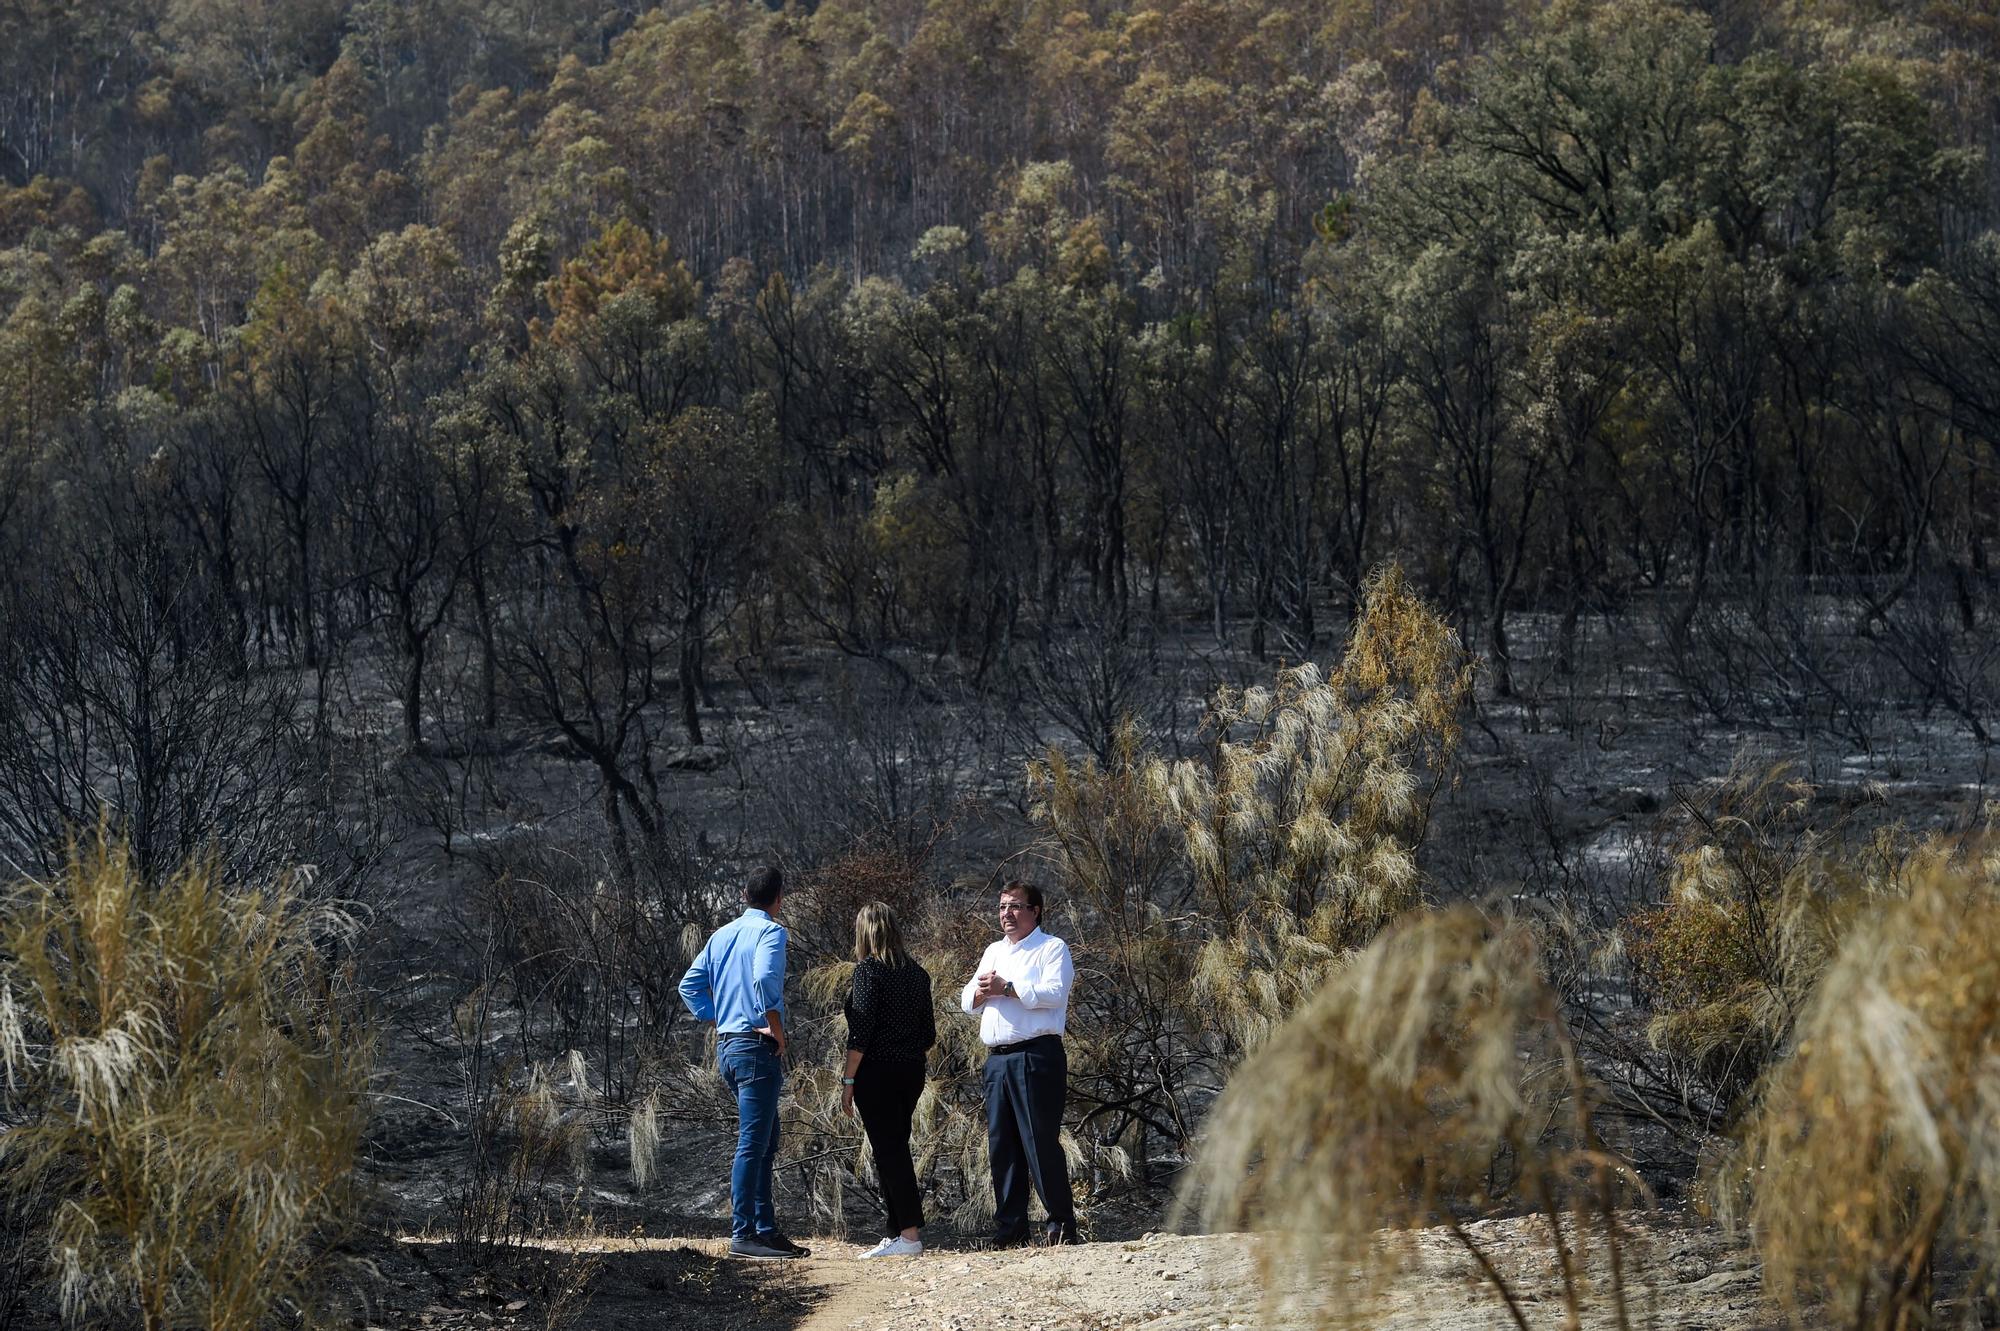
(890, 1029)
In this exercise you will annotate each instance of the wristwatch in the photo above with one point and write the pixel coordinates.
(1010, 990)
(847, 1081)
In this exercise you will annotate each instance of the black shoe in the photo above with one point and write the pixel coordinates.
(1002, 1241)
(785, 1246)
(1061, 1236)
(757, 1247)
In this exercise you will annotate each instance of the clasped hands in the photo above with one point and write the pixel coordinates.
(990, 985)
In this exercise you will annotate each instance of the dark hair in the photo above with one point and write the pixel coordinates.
(1028, 890)
(763, 887)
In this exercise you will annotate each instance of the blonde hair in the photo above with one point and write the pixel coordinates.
(876, 935)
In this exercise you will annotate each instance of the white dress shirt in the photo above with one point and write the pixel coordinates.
(1039, 968)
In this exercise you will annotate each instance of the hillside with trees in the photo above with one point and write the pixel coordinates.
(1340, 488)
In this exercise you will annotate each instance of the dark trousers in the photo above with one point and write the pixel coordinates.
(1025, 1090)
(886, 1092)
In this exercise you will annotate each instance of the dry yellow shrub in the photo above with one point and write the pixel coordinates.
(1875, 1148)
(1303, 823)
(1431, 1081)
(1757, 897)
(181, 1076)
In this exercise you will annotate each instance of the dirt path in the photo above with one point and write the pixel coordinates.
(1693, 1282)
(1159, 1282)
(1687, 1278)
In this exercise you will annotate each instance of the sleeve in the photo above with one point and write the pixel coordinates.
(966, 995)
(1048, 979)
(928, 1018)
(864, 1002)
(696, 993)
(767, 974)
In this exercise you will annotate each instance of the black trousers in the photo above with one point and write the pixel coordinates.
(1025, 1091)
(886, 1092)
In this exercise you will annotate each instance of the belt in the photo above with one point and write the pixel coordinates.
(1019, 1045)
(728, 1036)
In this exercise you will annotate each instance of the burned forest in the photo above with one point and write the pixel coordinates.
(1451, 538)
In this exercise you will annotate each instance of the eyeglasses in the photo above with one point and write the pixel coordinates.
(1006, 906)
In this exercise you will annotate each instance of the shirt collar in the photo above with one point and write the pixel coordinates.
(1035, 935)
(759, 912)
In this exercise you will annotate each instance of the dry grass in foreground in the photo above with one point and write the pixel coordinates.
(1873, 1158)
(184, 1093)
(1430, 1082)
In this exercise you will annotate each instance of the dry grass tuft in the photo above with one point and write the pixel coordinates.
(1875, 1149)
(1754, 901)
(1303, 822)
(1761, 890)
(1430, 1082)
(532, 1133)
(182, 1076)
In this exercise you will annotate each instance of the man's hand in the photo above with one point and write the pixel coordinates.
(990, 985)
(776, 1032)
(847, 1099)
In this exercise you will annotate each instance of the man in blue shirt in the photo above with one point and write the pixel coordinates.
(738, 982)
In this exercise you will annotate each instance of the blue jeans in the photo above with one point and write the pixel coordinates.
(750, 1069)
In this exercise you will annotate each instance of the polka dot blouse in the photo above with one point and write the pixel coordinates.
(889, 1013)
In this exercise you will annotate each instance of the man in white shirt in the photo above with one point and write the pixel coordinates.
(1021, 996)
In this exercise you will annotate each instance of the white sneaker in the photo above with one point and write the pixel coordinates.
(894, 1246)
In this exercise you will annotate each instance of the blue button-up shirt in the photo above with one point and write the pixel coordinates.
(740, 975)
